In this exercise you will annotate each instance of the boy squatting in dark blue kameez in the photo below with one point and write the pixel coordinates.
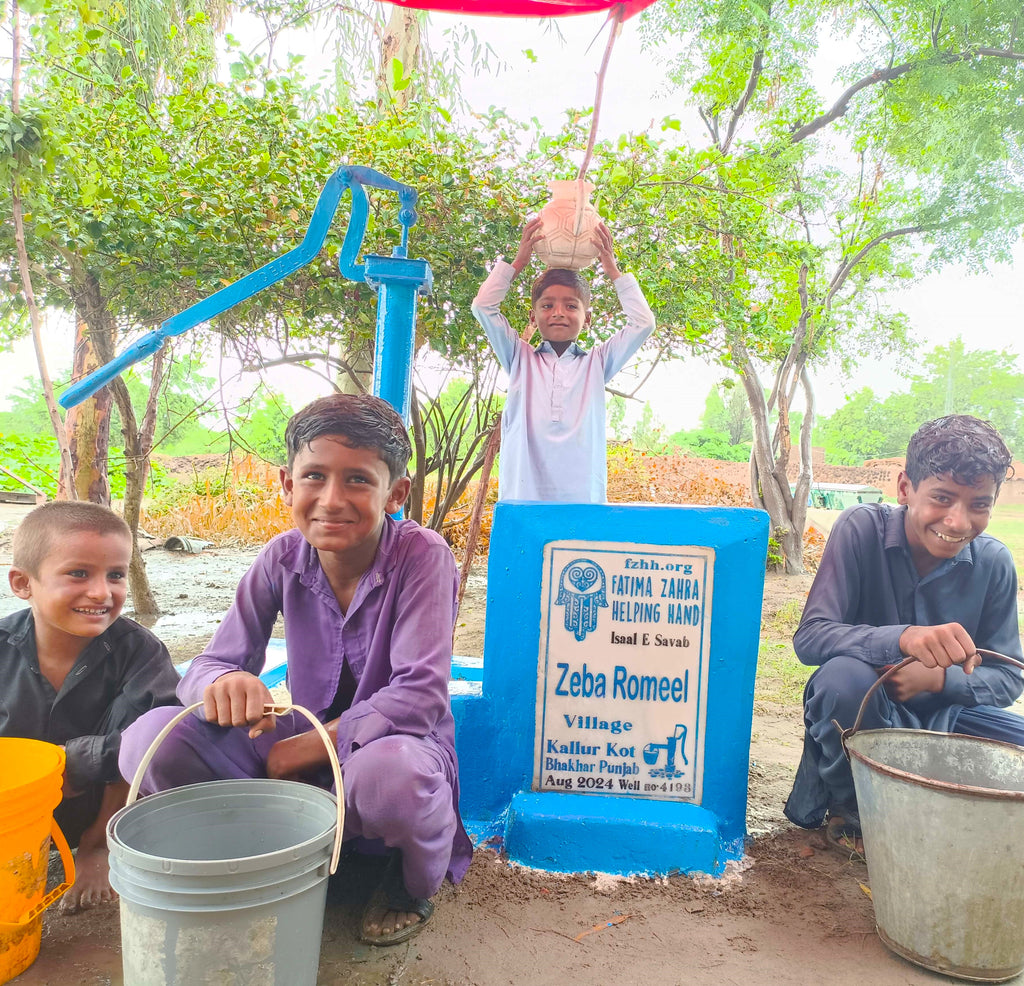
(916, 580)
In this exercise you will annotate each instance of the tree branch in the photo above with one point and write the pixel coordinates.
(740, 108)
(845, 269)
(615, 20)
(842, 104)
(632, 394)
(1016, 56)
(710, 119)
(293, 358)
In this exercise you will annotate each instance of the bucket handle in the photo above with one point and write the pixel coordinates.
(268, 710)
(846, 734)
(54, 895)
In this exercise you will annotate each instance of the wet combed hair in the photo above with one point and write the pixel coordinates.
(958, 445)
(362, 420)
(561, 275)
(36, 534)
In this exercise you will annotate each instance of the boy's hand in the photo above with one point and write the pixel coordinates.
(941, 646)
(294, 758)
(602, 239)
(237, 699)
(66, 790)
(913, 680)
(531, 234)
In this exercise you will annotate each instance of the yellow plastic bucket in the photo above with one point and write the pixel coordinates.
(30, 788)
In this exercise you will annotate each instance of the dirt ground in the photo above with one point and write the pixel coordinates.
(792, 912)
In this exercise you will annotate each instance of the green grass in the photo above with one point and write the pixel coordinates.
(1007, 524)
(785, 620)
(780, 676)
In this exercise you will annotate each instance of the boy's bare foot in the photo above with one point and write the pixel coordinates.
(92, 862)
(92, 873)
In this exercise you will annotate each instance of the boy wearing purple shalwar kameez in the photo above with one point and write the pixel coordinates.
(369, 609)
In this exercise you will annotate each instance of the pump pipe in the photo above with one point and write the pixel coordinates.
(397, 279)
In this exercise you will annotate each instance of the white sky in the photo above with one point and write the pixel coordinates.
(985, 309)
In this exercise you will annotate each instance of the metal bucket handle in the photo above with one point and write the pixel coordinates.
(846, 734)
(268, 710)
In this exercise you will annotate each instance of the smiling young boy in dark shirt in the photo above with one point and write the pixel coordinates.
(74, 672)
(922, 580)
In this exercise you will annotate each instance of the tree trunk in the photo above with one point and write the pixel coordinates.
(88, 425)
(357, 377)
(766, 489)
(401, 44)
(96, 339)
(138, 444)
(476, 518)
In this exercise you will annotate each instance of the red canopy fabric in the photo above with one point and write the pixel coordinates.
(527, 8)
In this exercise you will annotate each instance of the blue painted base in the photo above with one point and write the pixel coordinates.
(496, 717)
(574, 833)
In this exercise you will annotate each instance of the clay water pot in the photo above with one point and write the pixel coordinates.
(568, 222)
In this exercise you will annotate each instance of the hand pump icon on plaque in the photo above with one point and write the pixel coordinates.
(673, 744)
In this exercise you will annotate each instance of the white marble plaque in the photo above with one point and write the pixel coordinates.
(622, 676)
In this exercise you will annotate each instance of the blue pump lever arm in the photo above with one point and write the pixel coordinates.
(279, 268)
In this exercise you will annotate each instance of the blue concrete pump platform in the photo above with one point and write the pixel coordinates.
(540, 679)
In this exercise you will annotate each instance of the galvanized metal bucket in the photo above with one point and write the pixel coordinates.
(943, 823)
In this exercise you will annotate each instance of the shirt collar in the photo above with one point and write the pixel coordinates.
(304, 561)
(896, 537)
(22, 635)
(23, 626)
(572, 349)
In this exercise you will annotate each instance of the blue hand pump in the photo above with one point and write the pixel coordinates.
(397, 280)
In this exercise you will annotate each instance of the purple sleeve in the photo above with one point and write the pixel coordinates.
(240, 643)
(415, 699)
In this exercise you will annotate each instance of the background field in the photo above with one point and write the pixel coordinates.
(1008, 525)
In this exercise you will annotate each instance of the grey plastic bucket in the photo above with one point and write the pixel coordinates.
(223, 883)
(943, 823)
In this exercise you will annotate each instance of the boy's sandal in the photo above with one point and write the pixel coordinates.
(390, 895)
(845, 838)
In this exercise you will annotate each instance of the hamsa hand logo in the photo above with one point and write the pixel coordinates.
(581, 590)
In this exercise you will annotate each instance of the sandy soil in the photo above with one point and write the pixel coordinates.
(792, 913)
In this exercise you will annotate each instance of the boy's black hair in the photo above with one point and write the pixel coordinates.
(561, 275)
(958, 445)
(362, 420)
(40, 528)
